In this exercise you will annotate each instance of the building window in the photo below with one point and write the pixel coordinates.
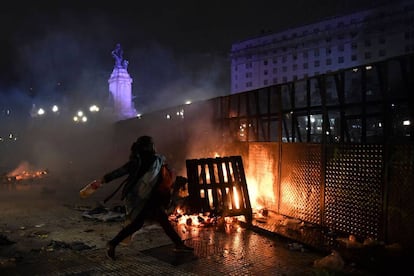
(275, 70)
(294, 67)
(249, 75)
(340, 59)
(265, 62)
(284, 69)
(284, 59)
(274, 80)
(265, 72)
(328, 50)
(353, 57)
(249, 84)
(265, 82)
(248, 65)
(305, 54)
(316, 63)
(328, 61)
(274, 60)
(316, 53)
(367, 55)
(381, 53)
(354, 46)
(381, 40)
(367, 43)
(341, 48)
(284, 79)
(305, 65)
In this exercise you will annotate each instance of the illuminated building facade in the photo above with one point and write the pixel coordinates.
(330, 45)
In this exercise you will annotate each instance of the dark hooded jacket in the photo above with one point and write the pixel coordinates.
(142, 170)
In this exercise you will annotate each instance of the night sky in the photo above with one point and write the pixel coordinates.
(177, 50)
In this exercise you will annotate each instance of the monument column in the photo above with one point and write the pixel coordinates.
(120, 86)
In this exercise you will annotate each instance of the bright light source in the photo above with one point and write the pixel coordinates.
(55, 108)
(75, 118)
(94, 108)
(312, 119)
(84, 119)
(188, 102)
(80, 113)
(40, 111)
(168, 116)
(406, 122)
(369, 67)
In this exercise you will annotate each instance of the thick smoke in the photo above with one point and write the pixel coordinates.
(68, 63)
(63, 56)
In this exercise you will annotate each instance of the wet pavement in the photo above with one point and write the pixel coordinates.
(51, 237)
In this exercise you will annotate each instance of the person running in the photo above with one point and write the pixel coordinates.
(142, 197)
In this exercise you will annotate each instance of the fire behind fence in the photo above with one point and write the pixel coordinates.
(335, 150)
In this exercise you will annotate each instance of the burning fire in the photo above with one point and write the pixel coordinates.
(24, 172)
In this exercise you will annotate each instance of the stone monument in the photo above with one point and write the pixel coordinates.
(120, 86)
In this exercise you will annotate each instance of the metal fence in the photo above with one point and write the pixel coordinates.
(336, 150)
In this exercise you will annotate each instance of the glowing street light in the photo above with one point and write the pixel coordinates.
(41, 112)
(80, 117)
(94, 108)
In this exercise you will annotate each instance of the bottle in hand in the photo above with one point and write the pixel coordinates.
(89, 189)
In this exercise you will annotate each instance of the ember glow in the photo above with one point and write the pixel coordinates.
(261, 192)
(25, 172)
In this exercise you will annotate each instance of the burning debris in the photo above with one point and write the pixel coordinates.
(23, 172)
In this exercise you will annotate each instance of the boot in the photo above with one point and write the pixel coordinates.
(110, 251)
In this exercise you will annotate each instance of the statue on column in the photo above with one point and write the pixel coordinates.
(117, 54)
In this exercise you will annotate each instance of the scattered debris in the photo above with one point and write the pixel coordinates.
(333, 262)
(104, 214)
(56, 245)
(40, 234)
(5, 240)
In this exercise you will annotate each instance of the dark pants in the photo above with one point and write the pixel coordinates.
(153, 212)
